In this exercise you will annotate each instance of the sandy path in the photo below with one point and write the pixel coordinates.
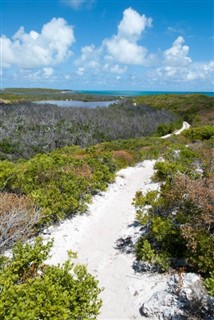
(94, 236)
(185, 126)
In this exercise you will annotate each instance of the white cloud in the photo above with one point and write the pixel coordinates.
(90, 65)
(94, 60)
(117, 69)
(90, 57)
(133, 24)
(48, 72)
(67, 77)
(77, 4)
(33, 49)
(201, 71)
(123, 47)
(80, 71)
(125, 51)
(177, 66)
(177, 55)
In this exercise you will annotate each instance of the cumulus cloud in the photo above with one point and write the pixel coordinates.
(125, 51)
(123, 47)
(33, 49)
(133, 24)
(177, 66)
(115, 54)
(94, 60)
(90, 57)
(177, 55)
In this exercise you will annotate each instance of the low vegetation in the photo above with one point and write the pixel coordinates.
(56, 179)
(33, 290)
(178, 221)
(34, 94)
(51, 187)
(197, 109)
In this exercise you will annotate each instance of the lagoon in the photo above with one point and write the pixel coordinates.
(78, 104)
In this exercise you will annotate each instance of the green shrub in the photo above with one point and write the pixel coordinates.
(178, 225)
(209, 283)
(60, 183)
(166, 169)
(166, 128)
(34, 291)
(178, 159)
(7, 146)
(200, 133)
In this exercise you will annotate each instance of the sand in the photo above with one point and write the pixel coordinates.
(94, 237)
(95, 234)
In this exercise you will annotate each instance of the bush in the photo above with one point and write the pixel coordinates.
(59, 183)
(18, 216)
(209, 283)
(178, 159)
(34, 291)
(200, 133)
(164, 129)
(179, 224)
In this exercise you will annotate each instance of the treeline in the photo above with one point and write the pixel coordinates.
(37, 94)
(27, 129)
(197, 109)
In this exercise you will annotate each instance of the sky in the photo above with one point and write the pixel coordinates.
(146, 45)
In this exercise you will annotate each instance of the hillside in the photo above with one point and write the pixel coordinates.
(197, 109)
(170, 228)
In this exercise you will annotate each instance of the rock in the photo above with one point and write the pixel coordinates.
(159, 302)
(184, 299)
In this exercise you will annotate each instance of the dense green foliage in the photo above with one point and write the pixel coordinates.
(61, 182)
(34, 291)
(200, 133)
(164, 129)
(197, 109)
(178, 221)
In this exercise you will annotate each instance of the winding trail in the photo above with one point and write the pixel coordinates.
(185, 126)
(96, 237)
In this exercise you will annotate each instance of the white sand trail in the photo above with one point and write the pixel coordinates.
(185, 126)
(94, 235)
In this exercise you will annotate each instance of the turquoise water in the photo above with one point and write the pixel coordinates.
(139, 93)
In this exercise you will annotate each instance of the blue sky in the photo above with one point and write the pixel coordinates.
(108, 45)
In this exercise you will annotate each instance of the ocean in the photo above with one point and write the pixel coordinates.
(139, 93)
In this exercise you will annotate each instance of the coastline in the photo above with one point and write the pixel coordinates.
(128, 93)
